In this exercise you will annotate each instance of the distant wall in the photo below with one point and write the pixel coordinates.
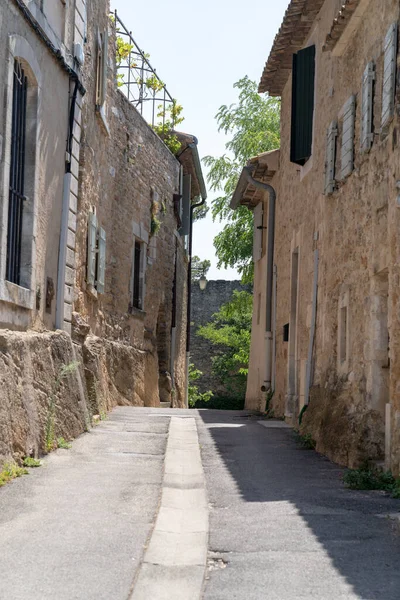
(204, 305)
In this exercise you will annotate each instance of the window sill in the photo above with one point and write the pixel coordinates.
(17, 295)
(137, 312)
(103, 119)
(304, 171)
(91, 290)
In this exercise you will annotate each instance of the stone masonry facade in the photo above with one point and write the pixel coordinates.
(336, 258)
(102, 291)
(204, 305)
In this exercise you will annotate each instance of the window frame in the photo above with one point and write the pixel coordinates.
(21, 295)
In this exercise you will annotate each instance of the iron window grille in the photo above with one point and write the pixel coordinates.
(17, 175)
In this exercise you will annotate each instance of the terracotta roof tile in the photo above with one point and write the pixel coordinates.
(297, 22)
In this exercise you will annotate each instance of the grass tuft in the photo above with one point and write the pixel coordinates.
(62, 443)
(11, 471)
(32, 462)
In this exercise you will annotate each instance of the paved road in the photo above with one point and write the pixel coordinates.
(101, 521)
(283, 524)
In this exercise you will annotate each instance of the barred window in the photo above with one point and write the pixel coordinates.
(17, 175)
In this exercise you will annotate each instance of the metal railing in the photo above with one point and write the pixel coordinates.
(138, 80)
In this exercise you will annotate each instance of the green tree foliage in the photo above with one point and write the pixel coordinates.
(196, 397)
(253, 127)
(199, 268)
(230, 333)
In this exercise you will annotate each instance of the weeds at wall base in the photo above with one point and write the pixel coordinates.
(11, 471)
(367, 478)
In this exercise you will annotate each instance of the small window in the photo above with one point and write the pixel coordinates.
(138, 288)
(286, 332)
(303, 82)
(136, 275)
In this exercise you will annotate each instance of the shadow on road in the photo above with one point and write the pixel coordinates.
(268, 466)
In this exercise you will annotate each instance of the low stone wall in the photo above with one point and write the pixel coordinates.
(30, 364)
(344, 430)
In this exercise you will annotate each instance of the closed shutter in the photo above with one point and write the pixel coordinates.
(389, 75)
(186, 205)
(367, 107)
(258, 232)
(105, 68)
(303, 79)
(347, 159)
(330, 158)
(92, 249)
(101, 270)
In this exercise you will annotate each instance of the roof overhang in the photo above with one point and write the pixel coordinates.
(263, 167)
(188, 156)
(344, 25)
(292, 35)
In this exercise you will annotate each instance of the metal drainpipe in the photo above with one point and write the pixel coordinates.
(270, 269)
(189, 300)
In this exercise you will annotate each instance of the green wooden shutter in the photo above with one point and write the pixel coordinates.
(389, 75)
(101, 267)
(91, 249)
(347, 157)
(367, 107)
(303, 80)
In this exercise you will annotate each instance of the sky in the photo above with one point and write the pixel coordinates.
(199, 50)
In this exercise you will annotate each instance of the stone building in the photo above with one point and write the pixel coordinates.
(93, 266)
(205, 303)
(326, 337)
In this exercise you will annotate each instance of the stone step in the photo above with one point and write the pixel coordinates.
(165, 404)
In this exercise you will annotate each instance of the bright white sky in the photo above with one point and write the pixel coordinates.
(199, 50)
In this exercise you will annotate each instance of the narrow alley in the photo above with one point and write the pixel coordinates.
(257, 517)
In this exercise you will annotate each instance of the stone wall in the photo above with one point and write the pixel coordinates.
(204, 305)
(354, 400)
(127, 176)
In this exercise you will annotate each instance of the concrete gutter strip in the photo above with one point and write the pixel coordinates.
(175, 560)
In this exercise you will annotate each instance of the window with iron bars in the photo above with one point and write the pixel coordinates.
(17, 175)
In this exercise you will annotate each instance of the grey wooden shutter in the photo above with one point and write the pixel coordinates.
(330, 158)
(258, 232)
(101, 268)
(186, 205)
(92, 249)
(347, 159)
(367, 106)
(389, 75)
(303, 80)
(104, 68)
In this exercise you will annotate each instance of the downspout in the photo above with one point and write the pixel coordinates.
(62, 252)
(270, 271)
(173, 326)
(312, 337)
(189, 297)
